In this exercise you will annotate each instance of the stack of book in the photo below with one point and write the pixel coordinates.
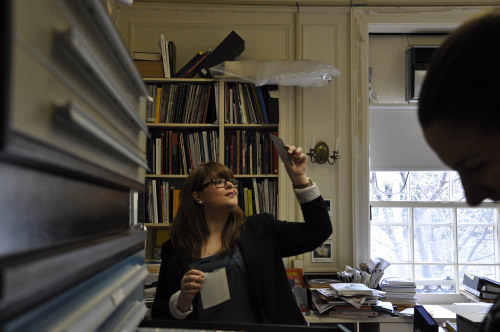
(149, 64)
(316, 283)
(399, 292)
(349, 300)
(480, 289)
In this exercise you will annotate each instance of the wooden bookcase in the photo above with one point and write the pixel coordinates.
(267, 169)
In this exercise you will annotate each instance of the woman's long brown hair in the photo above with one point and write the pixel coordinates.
(189, 227)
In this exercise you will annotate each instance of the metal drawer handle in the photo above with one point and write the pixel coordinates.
(74, 116)
(103, 22)
(74, 45)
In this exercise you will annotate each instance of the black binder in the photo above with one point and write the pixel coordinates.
(272, 101)
(481, 283)
(423, 321)
(232, 46)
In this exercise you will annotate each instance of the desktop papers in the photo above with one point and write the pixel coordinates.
(354, 294)
(215, 288)
(350, 289)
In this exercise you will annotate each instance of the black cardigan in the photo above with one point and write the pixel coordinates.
(264, 241)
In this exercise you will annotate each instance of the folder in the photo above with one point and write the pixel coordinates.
(423, 321)
(481, 283)
(272, 101)
(232, 46)
(188, 64)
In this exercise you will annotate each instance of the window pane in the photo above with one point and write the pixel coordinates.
(433, 244)
(425, 215)
(429, 186)
(399, 271)
(485, 271)
(458, 194)
(476, 244)
(390, 242)
(388, 186)
(393, 215)
(458, 190)
(411, 235)
(476, 216)
(435, 278)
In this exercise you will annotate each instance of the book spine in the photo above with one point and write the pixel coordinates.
(158, 104)
(262, 105)
(188, 64)
(164, 56)
(192, 70)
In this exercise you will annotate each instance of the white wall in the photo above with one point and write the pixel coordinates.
(387, 60)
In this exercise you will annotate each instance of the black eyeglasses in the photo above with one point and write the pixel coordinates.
(221, 183)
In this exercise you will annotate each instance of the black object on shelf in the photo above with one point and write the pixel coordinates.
(232, 46)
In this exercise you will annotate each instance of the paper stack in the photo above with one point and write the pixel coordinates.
(399, 292)
(369, 273)
(349, 300)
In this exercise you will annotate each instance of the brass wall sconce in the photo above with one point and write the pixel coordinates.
(319, 154)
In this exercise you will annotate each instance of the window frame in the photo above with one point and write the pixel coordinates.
(454, 206)
(364, 21)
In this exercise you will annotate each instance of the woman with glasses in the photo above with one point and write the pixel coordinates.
(210, 232)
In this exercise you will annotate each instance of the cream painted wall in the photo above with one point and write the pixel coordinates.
(323, 34)
(387, 60)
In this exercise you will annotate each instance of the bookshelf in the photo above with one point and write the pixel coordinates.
(244, 147)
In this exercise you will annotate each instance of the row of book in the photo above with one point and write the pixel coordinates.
(254, 197)
(258, 196)
(162, 201)
(171, 152)
(191, 102)
(181, 103)
(250, 152)
(245, 103)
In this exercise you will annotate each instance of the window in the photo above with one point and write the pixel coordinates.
(419, 222)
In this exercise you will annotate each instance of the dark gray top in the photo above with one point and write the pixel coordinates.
(236, 309)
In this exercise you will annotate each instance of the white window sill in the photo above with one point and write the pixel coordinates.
(425, 298)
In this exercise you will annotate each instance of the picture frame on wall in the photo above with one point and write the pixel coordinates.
(323, 254)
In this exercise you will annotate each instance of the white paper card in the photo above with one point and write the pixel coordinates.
(215, 288)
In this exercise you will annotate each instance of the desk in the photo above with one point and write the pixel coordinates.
(370, 324)
(176, 325)
(470, 315)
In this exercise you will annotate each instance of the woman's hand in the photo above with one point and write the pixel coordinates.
(297, 172)
(191, 284)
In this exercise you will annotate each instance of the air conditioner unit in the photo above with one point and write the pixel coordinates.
(417, 61)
